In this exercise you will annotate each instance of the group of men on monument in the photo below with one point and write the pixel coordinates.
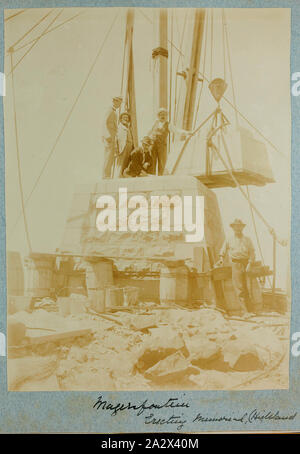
(121, 158)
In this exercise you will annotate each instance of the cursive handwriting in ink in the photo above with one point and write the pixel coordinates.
(171, 403)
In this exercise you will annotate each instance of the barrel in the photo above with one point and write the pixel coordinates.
(174, 283)
(232, 303)
(39, 272)
(255, 295)
(15, 274)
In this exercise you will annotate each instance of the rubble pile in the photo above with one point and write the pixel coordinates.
(145, 350)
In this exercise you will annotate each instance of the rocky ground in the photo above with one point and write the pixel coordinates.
(151, 348)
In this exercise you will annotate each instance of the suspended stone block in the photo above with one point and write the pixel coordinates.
(217, 88)
(249, 158)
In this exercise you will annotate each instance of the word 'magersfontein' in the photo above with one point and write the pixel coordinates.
(136, 213)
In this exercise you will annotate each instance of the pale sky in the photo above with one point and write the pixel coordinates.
(49, 78)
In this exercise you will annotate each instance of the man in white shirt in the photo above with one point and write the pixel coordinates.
(240, 251)
(109, 134)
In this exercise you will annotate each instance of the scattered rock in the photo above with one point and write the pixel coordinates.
(205, 354)
(78, 354)
(241, 356)
(163, 342)
(15, 332)
(143, 322)
(21, 370)
(172, 368)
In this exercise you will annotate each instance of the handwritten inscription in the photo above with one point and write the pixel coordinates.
(139, 408)
(177, 413)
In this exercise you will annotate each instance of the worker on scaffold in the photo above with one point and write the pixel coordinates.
(110, 129)
(124, 145)
(159, 134)
(241, 253)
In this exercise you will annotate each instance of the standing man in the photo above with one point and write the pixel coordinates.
(159, 134)
(241, 253)
(124, 145)
(110, 129)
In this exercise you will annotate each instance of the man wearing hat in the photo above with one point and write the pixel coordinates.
(124, 144)
(148, 161)
(240, 251)
(159, 134)
(140, 160)
(110, 129)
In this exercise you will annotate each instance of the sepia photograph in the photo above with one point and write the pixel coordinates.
(148, 198)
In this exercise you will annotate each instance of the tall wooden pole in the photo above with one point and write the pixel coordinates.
(192, 76)
(128, 85)
(160, 58)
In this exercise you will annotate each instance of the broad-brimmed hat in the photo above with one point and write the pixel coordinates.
(147, 140)
(237, 222)
(125, 113)
(162, 109)
(117, 98)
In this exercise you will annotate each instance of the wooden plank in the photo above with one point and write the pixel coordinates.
(222, 178)
(59, 336)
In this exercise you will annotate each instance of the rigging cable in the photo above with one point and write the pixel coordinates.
(151, 22)
(241, 115)
(177, 98)
(253, 207)
(223, 42)
(18, 158)
(271, 230)
(14, 15)
(256, 234)
(230, 68)
(69, 115)
(35, 42)
(188, 139)
(49, 31)
(180, 59)
(32, 28)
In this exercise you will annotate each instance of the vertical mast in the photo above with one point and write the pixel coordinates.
(160, 58)
(128, 85)
(192, 76)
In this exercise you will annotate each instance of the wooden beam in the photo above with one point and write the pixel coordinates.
(128, 84)
(160, 57)
(192, 77)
